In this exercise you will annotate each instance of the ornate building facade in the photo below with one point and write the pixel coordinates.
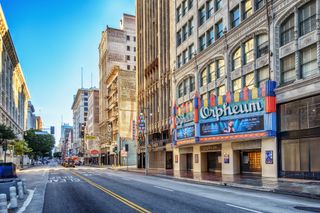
(154, 80)
(14, 94)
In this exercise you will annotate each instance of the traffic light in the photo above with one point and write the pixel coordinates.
(115, 149)
(126, 147)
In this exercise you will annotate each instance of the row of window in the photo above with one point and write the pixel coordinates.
(186, 55)
(185, 32)
(128, 58)
(208, 38)
(128, 38)
(307, 23)
(308, 65)
(129, 67)
(183, 8)
(129, 48)
(207, 10)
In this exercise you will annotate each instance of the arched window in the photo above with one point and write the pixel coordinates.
(262, 45)
(212, 70)
(220, 68)
(203, 79)
(248, 51)
(180, 91)
(236, 59)
(186, 86)
(287, 30)
(192, 85)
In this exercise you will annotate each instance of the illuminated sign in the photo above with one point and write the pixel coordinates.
(186, 132)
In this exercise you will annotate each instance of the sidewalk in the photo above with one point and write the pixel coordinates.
(298, 187)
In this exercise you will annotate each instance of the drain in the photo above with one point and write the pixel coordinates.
(306, 208)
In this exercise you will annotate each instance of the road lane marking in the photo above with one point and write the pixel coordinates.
(27, 201)
(239, 207)
(112, 194)
(159, 187)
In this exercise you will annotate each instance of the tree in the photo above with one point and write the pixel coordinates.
(6, 134)
(57, 155)
(41, 143)
(21, 147)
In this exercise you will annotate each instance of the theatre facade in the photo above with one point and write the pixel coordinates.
(230, 134)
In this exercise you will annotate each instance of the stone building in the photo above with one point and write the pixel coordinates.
(224, 112)
(121, 109)
(154, 80)
(80, 114)
(14, 94)
(295, 46)
(117, 48)
(92, 144)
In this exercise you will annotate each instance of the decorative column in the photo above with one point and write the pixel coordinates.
(196, 102)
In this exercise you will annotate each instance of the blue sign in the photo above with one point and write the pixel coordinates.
(232, 126)
(186, 132)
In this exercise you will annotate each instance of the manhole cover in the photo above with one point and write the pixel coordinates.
(306, 208)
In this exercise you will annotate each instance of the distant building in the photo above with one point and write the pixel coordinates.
(121, 109)
(80, 114)
(39, 123)
(31, 119)
(92, 145)
(117, 48)
(64, 145)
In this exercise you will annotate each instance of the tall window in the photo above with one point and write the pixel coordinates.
(221, 90)
(220, 68)
(184, 32)
(263, 75)
(210, 8)
(191, 51)
(212, 70)
(236, 85)
(179, 13)
(190, 4)
(287, 30)
(178, 38)
(186, 86)
(190, 26)
(262, 45)
(181, 90)
(184, 7)
(258, 4)
(236, 59)
(249, 80)
(185, 56)
(288, 72)
(202, 42)
(308, 18)
(309, 61)
(192, 85)
(235, 17)
(218, 4)
(210, 36)
(203, 79)
(248, 51)
(219, 29)
(202, 15)
(247, 9)
(179, 61)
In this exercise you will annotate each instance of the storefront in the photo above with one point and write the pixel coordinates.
(299, 137)
(231, 134)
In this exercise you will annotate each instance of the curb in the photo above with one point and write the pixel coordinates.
(234, 185)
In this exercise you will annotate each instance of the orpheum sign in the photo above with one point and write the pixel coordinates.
(241, 115)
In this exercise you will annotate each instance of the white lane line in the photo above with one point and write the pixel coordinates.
(27, 201)
(239, 207)
(159, 187)
(127, 179)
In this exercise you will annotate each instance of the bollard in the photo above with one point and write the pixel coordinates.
(13, 198)
(3, 203)
(24, 186)
(20, 190)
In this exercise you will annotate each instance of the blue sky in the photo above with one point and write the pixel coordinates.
(53, 40)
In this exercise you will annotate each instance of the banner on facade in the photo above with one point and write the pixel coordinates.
(186, 132)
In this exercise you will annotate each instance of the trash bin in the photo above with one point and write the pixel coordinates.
(8, 170)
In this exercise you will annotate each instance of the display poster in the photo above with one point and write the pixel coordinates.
(186, 132)
(269, 157)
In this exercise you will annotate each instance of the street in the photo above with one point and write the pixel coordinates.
(85, 189)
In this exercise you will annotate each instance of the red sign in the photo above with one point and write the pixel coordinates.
(94, 152)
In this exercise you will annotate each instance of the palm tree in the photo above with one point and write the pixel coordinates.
(6, 133)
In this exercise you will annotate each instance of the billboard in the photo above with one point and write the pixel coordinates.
(186, 132)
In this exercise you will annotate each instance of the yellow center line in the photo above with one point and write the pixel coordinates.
(112, 194)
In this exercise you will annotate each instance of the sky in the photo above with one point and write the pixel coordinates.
(53, 40)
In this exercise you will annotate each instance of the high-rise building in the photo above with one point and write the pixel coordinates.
(80, 113)
(117, 48)
(31, 118)
(14, 94)
(154, 80)
(39, 123)
(66, 129)
(92, 143)
(245, 87)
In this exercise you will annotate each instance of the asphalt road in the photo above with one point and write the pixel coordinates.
(101, 190)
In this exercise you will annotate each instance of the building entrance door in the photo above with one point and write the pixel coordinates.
(214, 161)
(251, 161)
(189, 162)
(169, 160)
